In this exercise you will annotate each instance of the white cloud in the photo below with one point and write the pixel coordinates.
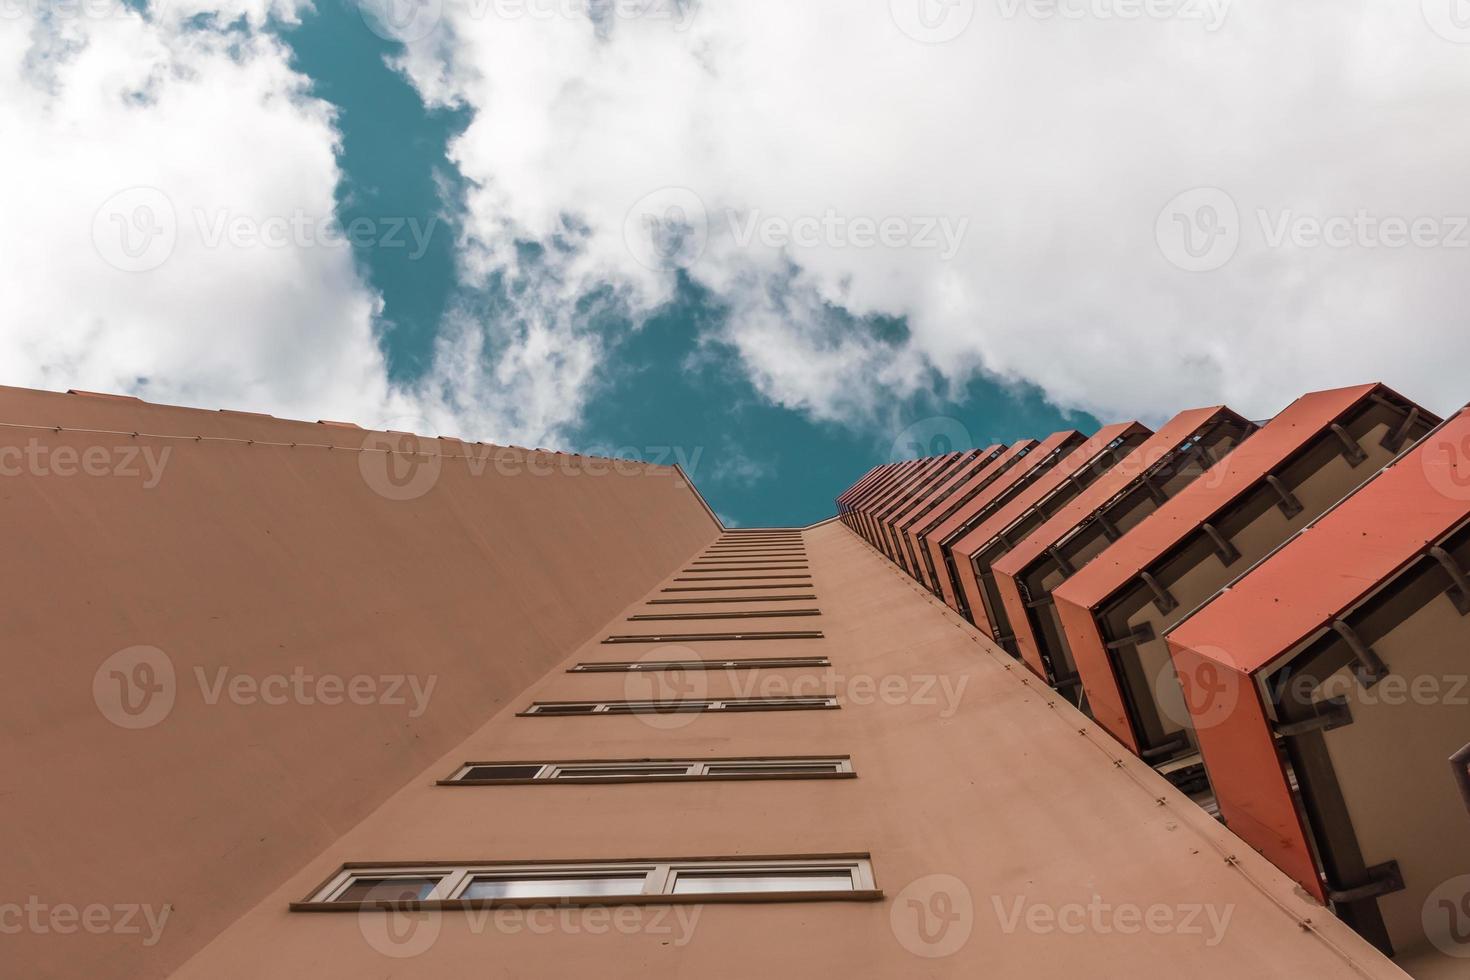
(168, 232)
(1060, 140)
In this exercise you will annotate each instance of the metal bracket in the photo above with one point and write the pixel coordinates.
(1459, 590)
(1460, 762)
(1162, 599)
(1066, 684)
(1109, 529)
(1383, 879)
(1370, 668)
(1153, 489)
(1229, 554)
(1166, 749)
(1394, 441)
(1202, 455)
(1290, 506)
(1351, 451)
(1142, 633)
(1066, 567)
(1327, 715)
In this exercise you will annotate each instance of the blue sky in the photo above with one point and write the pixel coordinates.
(776, 241)
(661, 395)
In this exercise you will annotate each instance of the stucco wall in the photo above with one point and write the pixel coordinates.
(263, 573)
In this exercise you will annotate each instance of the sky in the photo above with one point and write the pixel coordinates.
(776, 242)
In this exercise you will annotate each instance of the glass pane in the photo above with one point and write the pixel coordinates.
(656, 707)
(719, 882)
(501, 772)
(582, 772)
(735, 768)
(545, 887)
(564, 709)
(388, 889)
(777, 702)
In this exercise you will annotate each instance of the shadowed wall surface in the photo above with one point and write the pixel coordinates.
(223, 652)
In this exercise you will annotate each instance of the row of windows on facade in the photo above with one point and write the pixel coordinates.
(692, 879)
(562, 882)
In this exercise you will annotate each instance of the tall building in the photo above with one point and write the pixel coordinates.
(295, 699)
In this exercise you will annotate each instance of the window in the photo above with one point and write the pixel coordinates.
(699, 882)
(693, 637)
(735, 578)
(649, 770)
(739, 598)
(564, 708)
(735, 588)
(648, 665)
(822, 877)
(728, 614)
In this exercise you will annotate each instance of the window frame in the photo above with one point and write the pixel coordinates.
(799, 702)
(736, 663)
(660, 878)
(695, 770)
